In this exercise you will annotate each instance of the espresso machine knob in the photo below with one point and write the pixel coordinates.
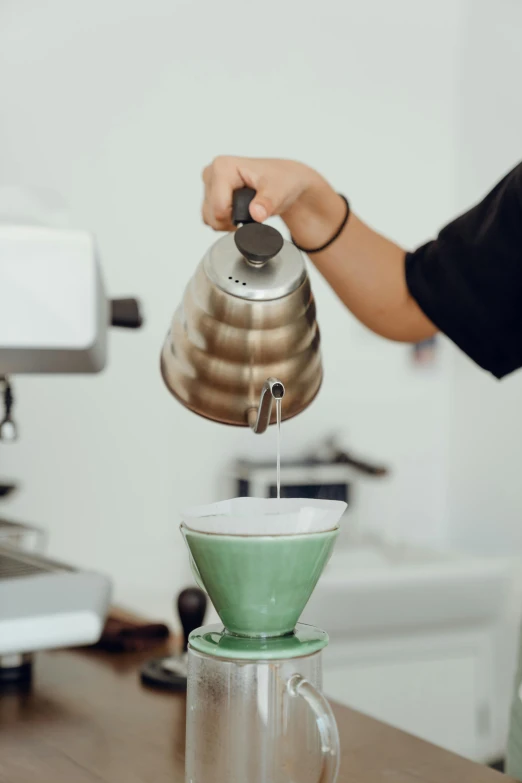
(170, 673)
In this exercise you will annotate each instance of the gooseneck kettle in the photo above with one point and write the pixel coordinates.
(246, 330)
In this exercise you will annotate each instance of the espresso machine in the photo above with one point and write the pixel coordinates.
(55, 317)
(245, 334)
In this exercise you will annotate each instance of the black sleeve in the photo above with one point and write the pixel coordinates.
(469, 280)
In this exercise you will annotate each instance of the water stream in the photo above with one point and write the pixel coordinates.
(278, 463)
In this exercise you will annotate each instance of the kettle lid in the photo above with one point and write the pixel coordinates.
(255, 262)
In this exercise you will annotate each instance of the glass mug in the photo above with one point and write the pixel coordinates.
(259, 721)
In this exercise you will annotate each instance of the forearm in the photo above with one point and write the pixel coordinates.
(365, 269)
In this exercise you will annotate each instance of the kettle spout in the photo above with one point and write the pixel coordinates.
(259, 418)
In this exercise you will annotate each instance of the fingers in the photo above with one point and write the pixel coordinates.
(217, 224)
(277, 184)
(221, 178)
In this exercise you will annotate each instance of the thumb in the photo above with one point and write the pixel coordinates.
(260, 209)
(264, 204)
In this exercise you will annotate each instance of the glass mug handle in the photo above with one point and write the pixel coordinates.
(193, 566)
(326, 725)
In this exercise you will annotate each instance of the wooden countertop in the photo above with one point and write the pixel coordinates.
(87, 719)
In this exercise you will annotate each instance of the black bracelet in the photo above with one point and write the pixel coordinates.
(308, 250)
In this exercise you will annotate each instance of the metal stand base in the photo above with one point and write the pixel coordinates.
(169, 674)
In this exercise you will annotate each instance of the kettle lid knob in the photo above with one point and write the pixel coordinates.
(258, 243)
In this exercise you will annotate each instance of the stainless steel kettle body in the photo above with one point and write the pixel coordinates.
(246, 330)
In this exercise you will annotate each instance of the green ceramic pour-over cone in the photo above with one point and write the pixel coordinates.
(259, 560)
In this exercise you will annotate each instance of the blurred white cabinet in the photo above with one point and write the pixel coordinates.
(440, 689)
(420, 640)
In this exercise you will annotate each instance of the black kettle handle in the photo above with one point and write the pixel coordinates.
(240, 205)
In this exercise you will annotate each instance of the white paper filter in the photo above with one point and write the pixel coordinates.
(265, 517)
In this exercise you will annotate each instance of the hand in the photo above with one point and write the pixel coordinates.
(279, 186)
(365, 269)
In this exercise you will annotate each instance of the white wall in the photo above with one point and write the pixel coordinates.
(118, 107)
(486, 420)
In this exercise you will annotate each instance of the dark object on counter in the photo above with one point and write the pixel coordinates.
(16, 672)
(6, 489)
(171, 673)
(126, 313)
(124, 632)
(192, 605)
